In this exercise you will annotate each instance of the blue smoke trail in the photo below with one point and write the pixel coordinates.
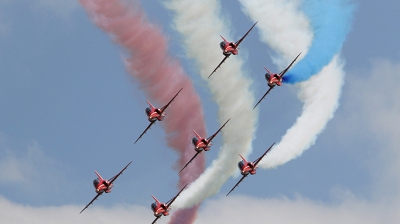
(331, 21)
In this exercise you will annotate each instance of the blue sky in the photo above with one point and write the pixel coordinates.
(67, 107)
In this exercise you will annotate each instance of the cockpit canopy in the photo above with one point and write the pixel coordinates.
(153, 207)
(194, 141)
(96, 182)
(148, 111)
(240, 164)
(222, 45)
(267, 76)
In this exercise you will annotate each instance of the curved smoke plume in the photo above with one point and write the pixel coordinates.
(330, 21)
(200, 23)
(159, 75)
(321, 93)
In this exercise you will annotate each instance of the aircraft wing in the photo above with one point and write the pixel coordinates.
(169, 203)
(261, 157)
(219, 65)
(98, 194)
(144, 132)
(166, 106)
(215, 134)
(197, 153)
(244, 176)
(111, 181)
(286, 69)
(155, 220)
(116, 176)
(270, 88)
(241, 39)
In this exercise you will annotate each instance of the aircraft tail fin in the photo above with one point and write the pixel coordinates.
(152, 107)
(244, 160)
(98, 175)
(268, 70)
(155, 199)
(198, 136)
(224, 39)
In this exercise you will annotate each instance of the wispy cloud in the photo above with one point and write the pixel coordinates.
(373, 105)
(59, 8)
(29, 171)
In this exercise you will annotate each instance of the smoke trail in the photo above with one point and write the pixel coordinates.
(282, 25)
(321, 99)
(320, 94)
(330, 20)
(159, 75)
(200, 24)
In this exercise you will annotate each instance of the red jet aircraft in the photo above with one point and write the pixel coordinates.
(247, 167)
(102, 185)
(274, 79)
(201, 144)
(229, 48)
(160, 208)
(155, 114)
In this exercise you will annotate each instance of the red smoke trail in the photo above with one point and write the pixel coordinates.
(160, 76)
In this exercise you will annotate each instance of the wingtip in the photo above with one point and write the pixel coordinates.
(183, 188)
(137, 140)
(256, 105)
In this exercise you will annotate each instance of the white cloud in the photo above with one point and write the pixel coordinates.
(242, 209)
(11, 213)
(22, 168)
(373, 108)
(58, 8)
(233, 209)
(14, 168)
(61, 8)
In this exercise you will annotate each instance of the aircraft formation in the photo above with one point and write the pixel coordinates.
(200, 144)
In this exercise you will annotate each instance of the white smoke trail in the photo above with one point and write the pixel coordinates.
(282, 25)
(200, 24)
(286, 29)
(321, 96)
